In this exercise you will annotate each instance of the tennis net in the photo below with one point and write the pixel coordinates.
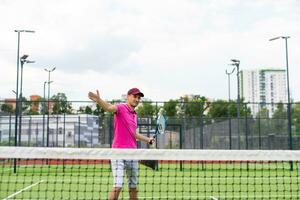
(69, 173)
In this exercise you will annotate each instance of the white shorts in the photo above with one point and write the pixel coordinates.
(119, 166)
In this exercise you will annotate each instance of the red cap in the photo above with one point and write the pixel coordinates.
(135, 91)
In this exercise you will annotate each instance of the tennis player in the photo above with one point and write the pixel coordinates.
(125, 136)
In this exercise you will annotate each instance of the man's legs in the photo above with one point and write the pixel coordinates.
(133, 193)
(132, 173)
(114, 194)
(117, 167)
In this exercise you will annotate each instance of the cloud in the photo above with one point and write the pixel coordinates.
(107, 53)
(167, 48)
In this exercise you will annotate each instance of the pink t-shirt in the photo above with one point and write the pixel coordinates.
(125, 125)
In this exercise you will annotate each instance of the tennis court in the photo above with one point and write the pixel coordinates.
(187, 178)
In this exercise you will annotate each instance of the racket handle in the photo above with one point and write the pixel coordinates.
(151, 142)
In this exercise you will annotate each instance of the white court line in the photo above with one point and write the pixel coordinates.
(221, 197)
(16, 193)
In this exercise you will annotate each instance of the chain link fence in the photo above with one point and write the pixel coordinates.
(186, 132)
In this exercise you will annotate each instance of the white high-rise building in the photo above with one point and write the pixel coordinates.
(264, 88)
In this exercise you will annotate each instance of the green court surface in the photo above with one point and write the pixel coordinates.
(194, 181)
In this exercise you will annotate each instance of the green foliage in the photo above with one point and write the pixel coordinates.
(279, 122)
(88, 110)
(263, 113)
(85, 110)
(170, 108)
(244, 109)
(146, 109)
(98, 111)
(222, 108)
(32, 104)
(219, 108)
(32, 112)
(7, 108)
(61, 104)
(81, 109)
(5, 143)
(25, 105)
(191, 107)
(280, 112)
(44, 105)
(296, 118)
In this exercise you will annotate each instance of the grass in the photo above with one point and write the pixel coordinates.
(194, 181)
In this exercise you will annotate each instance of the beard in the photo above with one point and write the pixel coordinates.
(134, 104)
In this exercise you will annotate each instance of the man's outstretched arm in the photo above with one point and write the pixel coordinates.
(105, 105)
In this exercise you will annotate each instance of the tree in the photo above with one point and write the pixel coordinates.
(88, 110)
(85, 110)
(280, 112)
(25, 105)
(219, 109)
(263, 113)
(146, 109)
(44, 105)
(34, 107)
(102, 121)
(61, 104)
(193, 107)
(170, 108)
(296, 118)
(81, 109)
(244, 109)
(261, 122)
(98, 111)
(32, 112)
(279, 119)
(7, 108)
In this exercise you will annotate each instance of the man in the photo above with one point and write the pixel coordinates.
(125, 136)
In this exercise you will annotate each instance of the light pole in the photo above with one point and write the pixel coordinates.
(288, 90)
(23, 60)
(228, 78)
(236, 63)
(44, 111)
(49, 72)
(17, 84)
(229, 117)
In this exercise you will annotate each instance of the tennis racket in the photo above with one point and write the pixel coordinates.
(161, 123)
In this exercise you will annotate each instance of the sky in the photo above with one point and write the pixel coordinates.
(166, 48)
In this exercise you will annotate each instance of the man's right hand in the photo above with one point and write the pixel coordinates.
(94, 96)
(151, 140)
